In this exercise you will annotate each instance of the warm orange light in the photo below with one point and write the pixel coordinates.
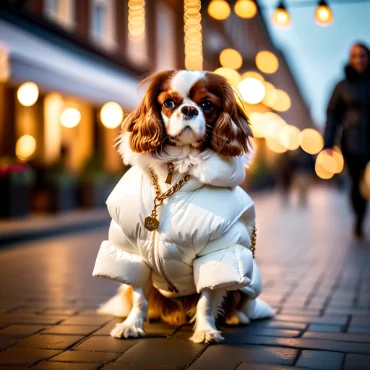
(365, 183)
(323, 14)
(322, 173)
(252, 90)
(274, 145)
(219, 9)
(311, 141)
(281, 17)
(252, 74)
(327, 162)
(28, 94)
(111, 115)
(267, 62)
(289, 137)
(25, 147)
(231, 58)
(70, 117)
(258, 124)
(245, 8)
(282, 102)
(338, 157)
(136, 18)
(270, 96)
(230, 74)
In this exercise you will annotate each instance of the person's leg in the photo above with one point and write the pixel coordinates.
(356, 168)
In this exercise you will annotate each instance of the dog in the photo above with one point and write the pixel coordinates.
(182, 236)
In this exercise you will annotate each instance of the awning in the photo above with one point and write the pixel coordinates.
(27, 57)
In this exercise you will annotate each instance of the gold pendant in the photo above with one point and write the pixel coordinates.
(151, 223)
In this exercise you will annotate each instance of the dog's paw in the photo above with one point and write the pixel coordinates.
(207, 336)
(122, 330)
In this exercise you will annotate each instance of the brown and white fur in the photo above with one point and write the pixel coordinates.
(198, 111)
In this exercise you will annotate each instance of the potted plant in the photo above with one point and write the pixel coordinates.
(16, 179)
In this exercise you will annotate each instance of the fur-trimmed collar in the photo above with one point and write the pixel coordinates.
(206, 166)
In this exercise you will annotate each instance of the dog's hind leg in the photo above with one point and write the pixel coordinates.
(133, 326)
(205, 330)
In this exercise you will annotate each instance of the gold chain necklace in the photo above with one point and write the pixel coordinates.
(151, 223)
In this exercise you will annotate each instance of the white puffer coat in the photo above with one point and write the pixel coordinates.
(204, 234)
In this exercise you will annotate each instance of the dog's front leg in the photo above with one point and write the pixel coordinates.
(205, 330)
(133, 326)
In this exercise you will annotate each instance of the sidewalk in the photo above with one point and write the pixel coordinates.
(314, 275)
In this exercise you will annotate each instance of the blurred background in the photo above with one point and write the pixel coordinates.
(69, 72)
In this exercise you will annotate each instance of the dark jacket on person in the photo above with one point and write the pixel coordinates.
(348, 114)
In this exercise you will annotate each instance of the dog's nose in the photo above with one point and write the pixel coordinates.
(189, 111)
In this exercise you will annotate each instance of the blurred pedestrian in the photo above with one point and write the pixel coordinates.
(348, 114)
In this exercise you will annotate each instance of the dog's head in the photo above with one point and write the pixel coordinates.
(189, 108)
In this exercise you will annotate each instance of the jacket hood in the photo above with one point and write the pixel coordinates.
(206, 166)
(353, 75)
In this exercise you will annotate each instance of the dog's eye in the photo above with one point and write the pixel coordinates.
(206, 105)
(169, 104)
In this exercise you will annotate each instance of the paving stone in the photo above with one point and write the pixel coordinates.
(361, 321)
(357, 362)
(21, 330)
(249, 366)
(25, 356)
(120, 366)
(50, 341)
(6, 367)
(106, 344)
(51, 365)
(106, 329)
(358, 329)
(88, 312)
(8, 341)
(304, 343)
(344, 337)
(158, 351)
(325, 328)
(328, 320)
(59, 311)
(279, 324)
(71, 329)
(33, 319)
(87, 320)
(320, 360)
(85, 356)
(228, 357)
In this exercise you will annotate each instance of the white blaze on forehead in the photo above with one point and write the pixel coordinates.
(183, 81)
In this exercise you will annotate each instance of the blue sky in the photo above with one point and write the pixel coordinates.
(318, 54)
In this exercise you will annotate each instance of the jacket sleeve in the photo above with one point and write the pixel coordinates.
(114, 262)
(334, 117)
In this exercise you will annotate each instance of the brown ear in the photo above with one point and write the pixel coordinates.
(145, 123)
(231, 132)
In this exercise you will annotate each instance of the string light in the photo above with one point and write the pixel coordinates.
(281, 17)
(267, 62)
(231, 58)
(219, 9)
(136, 19)
(28, 94)
(193, 35)
(111, 115)
(323, 14)
(245, 8)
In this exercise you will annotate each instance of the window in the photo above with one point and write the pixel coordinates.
(61, 12)
(103, 23)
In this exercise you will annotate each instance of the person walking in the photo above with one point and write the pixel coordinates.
(348, 114)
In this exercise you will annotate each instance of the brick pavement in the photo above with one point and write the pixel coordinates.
(316, 278)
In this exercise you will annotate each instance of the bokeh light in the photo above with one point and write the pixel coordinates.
(322, 173)
(289, 137)
(219, 9)
(70, 117)
(231, 58)
(267, 62)
(28, 94)
(25, 147)
(338, 157)
(327, 162)
(136, 18)
(111, 115)
(282, 101)
(245, 8)
(231, 75)
(365, 183)
(271, 96)
(323, 14)
(311, 141)
(257, 124)
(252, 90)
(274, 145)
(281, 17)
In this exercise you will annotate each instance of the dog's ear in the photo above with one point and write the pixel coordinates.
(231, 132)
(145, 123)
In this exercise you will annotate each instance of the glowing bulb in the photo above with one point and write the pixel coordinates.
(25, 147)
(311, 141)
(70, 117)
(289, 137)
(252, 90)
(245, 8)
(219, 9)
(267, 62)
(230, 58)
(282, 102)
(252, 74)
(323, 14)
(231, 75)
(28, 94)
(111, 115)
(281, 17)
